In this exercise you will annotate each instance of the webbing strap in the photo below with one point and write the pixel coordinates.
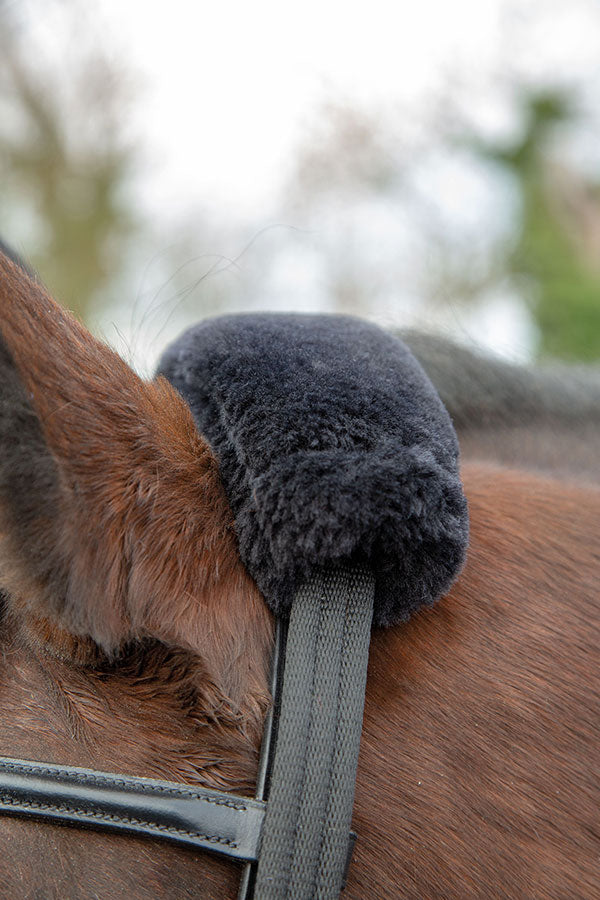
(305, 836)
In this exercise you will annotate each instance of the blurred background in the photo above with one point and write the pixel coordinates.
(433, 164)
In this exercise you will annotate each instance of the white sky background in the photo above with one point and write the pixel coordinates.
(231, 86)
(228, 91)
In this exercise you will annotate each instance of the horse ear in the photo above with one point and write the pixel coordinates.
(113, 521)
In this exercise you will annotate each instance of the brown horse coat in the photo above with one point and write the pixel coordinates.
(132, 640)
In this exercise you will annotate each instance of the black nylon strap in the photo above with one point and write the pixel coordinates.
(304, 845)
(269, 741)
(211, 820)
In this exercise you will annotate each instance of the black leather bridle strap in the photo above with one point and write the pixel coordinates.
(211, 820)
(306, 833)
(298, 828)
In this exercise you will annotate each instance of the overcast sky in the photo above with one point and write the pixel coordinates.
(231, 86)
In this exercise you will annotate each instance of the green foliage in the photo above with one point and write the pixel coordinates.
(548, 253)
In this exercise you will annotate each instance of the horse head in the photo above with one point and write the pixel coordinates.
(144, 524)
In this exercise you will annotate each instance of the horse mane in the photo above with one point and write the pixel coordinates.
(544, 418)
(480, 389)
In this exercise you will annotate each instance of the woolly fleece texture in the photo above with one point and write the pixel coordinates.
(333, 447)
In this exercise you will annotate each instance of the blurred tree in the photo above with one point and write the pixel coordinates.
(359, 171)
(557, 246)
(65, 161)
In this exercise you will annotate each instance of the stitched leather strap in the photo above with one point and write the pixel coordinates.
(306, 841)
(212, 820)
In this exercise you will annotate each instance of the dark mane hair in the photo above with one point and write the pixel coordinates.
(543, 417)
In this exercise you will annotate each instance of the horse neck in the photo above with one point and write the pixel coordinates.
(482, 710)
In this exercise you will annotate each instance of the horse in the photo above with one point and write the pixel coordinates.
(134, 640)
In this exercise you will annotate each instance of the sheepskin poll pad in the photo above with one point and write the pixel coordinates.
(333, 447)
